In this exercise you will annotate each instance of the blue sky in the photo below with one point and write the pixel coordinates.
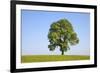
(35, 28)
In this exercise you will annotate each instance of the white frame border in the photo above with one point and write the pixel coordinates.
(20, 65)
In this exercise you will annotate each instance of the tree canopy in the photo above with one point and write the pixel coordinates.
(61, 35)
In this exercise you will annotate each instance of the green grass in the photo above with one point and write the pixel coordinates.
(48, 58)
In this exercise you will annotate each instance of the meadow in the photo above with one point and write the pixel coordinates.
(49, 58)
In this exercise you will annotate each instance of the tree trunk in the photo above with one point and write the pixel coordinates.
(62, 52)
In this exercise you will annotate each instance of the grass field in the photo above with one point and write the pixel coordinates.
(48, 58)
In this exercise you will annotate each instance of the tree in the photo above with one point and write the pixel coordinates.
(61, 35)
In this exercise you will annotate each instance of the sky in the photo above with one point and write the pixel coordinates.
(35, 27)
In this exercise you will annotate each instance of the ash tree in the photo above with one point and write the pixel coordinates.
(61, 35)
